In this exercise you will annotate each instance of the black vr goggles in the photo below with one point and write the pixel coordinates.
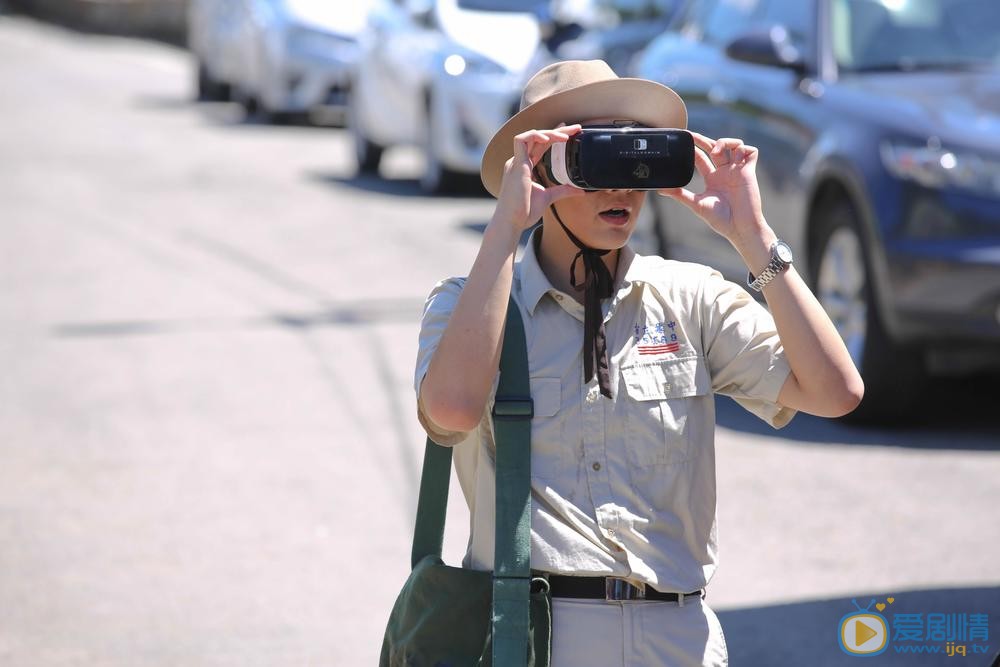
(622, 158)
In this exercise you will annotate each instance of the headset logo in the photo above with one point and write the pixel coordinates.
(641, 170)
(639, 144)
(863, 632)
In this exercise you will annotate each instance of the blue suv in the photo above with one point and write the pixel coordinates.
(878, 124)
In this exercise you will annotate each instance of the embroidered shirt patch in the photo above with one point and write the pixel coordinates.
(660, 338)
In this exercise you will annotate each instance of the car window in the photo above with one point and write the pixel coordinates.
(798, 16)
(890, 35)
(728, 19)
(720, 21)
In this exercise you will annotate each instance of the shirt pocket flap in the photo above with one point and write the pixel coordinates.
(546, 395)
(669, 378)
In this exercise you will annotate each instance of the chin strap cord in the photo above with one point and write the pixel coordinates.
(597, 284)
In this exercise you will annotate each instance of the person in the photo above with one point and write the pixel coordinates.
(623, 463)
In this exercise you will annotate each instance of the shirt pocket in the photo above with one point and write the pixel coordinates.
(547, 450)
(660, 396)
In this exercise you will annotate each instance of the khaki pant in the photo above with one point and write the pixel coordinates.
(595, 633)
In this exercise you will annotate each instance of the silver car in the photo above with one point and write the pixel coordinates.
(442, 75)
(279, 57)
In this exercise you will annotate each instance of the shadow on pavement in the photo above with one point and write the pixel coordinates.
(961, 414)
(397, 187)
(807, 633)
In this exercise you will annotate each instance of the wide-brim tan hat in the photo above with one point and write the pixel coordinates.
(579, 90)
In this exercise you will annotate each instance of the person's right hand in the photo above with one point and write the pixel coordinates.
(522, 200)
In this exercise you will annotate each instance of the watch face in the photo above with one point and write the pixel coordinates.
(783, 252)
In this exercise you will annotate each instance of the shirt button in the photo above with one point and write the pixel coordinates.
(596, 466)
(611, 532)
(559, 297)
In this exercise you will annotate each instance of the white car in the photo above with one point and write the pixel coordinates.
(442, 75)
(281, 57)
(212, 29)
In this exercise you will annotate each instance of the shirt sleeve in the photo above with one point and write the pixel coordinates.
(744, 353)
(437, 311)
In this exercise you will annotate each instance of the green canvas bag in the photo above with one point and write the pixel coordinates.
(452, 617)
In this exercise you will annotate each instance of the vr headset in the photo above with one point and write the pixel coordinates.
(622, 158)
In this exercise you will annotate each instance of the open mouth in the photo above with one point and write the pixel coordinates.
(616, 216)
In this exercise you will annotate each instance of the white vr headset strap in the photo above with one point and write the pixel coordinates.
(558, 159)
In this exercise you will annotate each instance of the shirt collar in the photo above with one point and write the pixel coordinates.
(637, 268)
(535, 284)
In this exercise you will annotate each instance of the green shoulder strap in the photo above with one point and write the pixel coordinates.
(512, 413)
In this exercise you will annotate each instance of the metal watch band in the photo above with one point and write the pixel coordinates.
(773, 268)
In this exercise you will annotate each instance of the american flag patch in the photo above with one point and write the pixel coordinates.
(659, 349)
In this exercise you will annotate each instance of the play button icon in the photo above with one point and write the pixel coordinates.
(863, 633)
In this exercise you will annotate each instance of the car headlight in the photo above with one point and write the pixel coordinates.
(934, 166)
(457, 65)
(320, 43)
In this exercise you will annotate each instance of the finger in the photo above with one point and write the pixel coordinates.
(714, 148)
(726, 142)
(702, 142)
(569, 129)
(703, 164)
(683, 195)
(725, 151)
(536, 142)
(557, 192)
(750, 154)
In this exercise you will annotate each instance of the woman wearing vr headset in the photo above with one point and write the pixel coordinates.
(625, 354)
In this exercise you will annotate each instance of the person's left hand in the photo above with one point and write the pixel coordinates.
(730, 203)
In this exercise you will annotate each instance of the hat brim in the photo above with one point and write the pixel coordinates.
(646, 102)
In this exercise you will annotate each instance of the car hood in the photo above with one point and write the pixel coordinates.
(507, 38)
(962, 107)
(345, 18)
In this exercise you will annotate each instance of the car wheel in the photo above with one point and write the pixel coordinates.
(209, 90)
(367, 154)
(436, 178)
(894, 375)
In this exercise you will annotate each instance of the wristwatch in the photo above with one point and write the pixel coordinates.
(781, 259)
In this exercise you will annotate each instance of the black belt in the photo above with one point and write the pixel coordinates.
(608, 588)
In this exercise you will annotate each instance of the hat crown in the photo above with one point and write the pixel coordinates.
(562, 76)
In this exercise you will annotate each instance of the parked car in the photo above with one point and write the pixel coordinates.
(280, 58)
(616, 30)
(212, 27)
(878, 124)
(442, 75)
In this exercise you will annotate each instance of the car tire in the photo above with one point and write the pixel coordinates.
(367, 154)
(208, 89)
(840, 264)
(436, 178)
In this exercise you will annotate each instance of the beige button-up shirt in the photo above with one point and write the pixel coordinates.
(624, 486)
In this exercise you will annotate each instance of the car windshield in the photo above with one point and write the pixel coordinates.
(903, 35)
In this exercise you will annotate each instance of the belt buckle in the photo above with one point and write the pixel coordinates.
(617, 590)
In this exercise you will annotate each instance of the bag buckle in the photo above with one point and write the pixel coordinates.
(616, 590)
(513, 407)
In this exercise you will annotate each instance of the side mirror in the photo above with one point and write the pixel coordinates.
(771, 47)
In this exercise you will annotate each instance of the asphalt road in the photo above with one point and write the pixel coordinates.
(208, 450)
